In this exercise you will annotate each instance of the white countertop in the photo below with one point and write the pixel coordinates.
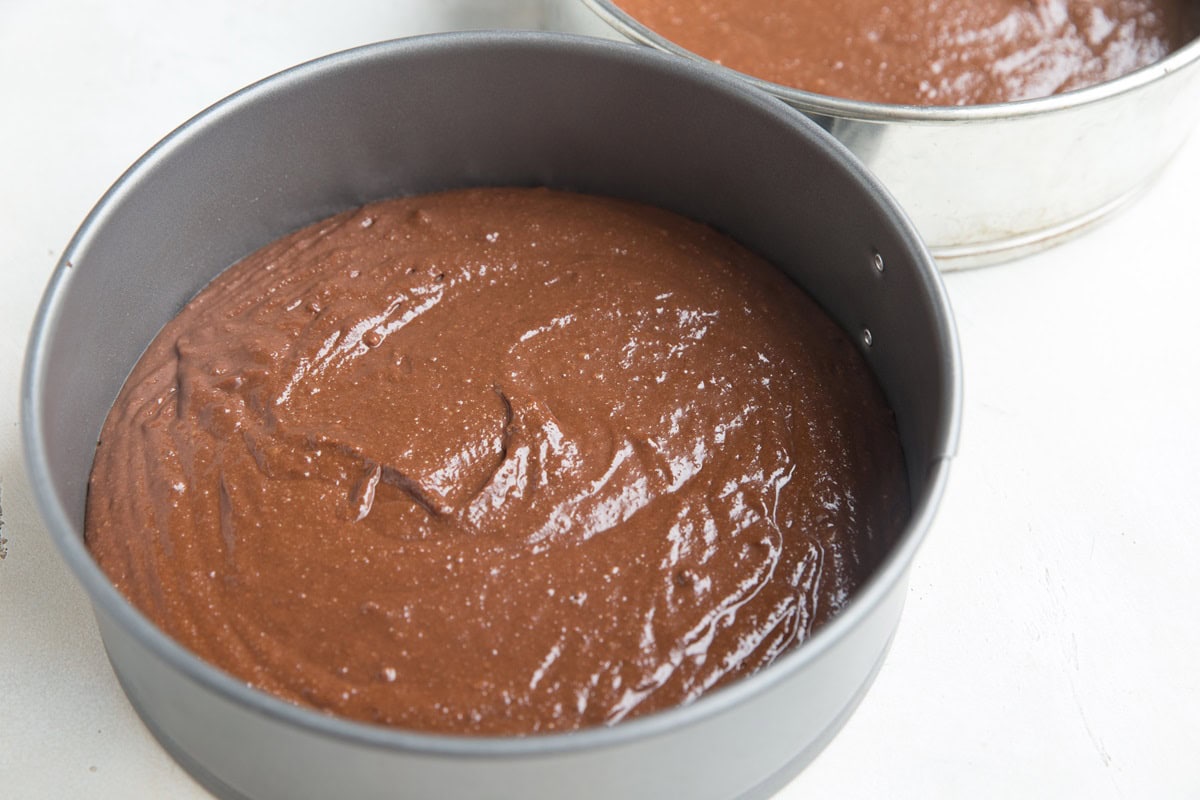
(1051, 642)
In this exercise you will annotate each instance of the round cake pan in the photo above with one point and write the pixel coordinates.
(449, 111)
(989, 183)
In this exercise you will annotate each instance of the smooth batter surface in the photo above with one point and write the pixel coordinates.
(496, 461)
(927, 52)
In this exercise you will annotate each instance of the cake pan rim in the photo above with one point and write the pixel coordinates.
(101, 592)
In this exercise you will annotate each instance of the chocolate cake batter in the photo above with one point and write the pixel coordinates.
(496, 461)
(927, 52)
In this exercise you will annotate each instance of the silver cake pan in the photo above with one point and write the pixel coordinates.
(455, 110)
(989, 183)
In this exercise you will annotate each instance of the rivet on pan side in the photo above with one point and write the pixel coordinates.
(867, 338)
(877, 261)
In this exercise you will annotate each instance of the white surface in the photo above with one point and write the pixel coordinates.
(1050, 646)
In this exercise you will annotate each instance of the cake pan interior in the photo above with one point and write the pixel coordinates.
(451, 111)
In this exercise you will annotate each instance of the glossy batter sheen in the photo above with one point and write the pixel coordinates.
(927, 52)
(496, 461)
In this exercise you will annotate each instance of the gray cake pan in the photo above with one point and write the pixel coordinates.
(456, 110)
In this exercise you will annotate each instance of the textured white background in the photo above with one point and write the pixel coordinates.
(1051, 643)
